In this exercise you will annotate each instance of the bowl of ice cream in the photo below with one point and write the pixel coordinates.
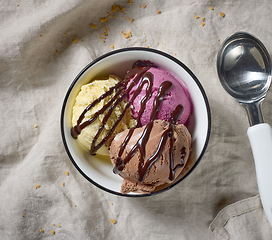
(135, 122)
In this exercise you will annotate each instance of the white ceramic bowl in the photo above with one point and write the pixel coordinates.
(98, 170)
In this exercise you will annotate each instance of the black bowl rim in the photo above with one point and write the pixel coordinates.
(126, 50)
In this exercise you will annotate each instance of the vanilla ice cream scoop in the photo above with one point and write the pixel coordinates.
(92, 123)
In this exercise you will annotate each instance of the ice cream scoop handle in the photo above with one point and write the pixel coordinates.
(260, 137)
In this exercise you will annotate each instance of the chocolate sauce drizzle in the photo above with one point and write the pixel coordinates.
(121, 94)
(139, 72)
(143, 166)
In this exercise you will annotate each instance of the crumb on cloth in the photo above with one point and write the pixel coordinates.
(222, 14)
(103, 20)
(127, 34)
(113, 221)
(116, 7)
(93, 26)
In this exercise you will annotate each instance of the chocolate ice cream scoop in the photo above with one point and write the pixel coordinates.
(148, 163)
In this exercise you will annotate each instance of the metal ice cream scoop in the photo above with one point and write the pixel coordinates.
(244, 70)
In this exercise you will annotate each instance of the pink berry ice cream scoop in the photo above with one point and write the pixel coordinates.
(178, 94)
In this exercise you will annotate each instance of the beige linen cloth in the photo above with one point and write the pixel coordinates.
(44, 44)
